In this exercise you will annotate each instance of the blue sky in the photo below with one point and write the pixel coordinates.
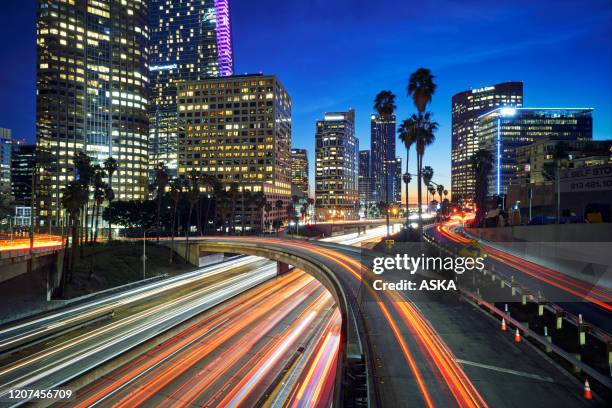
(332, 55)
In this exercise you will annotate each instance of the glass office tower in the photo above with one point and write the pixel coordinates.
(466, 107)
(503, 130)
(191, 40)
(92, 82)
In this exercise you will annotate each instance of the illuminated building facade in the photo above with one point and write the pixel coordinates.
(238, 129)
(365, 179)
(92, 82)
(23, 163)
(336, 188)
(466, 107)
(503, 130)
(191, 40)
(299, 170)
(6, 143)
(382, 148)
(396, 170)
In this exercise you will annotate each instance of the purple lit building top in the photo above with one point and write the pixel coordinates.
(224, 38)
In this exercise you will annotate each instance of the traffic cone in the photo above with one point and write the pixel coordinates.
(504, 325)
(517, 336)
(587, 390)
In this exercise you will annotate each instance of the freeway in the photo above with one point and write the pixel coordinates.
(578, 297)
(13, 335)
(57, 361)
(409, 339)
(278, 341)
(422, 349)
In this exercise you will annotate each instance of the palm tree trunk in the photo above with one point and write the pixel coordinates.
(75, 234)
(97, 221)
(407, 172)
(158, 220)
(386, 164)
(172, 233)
(419, 191)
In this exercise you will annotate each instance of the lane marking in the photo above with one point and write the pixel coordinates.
(506, 370)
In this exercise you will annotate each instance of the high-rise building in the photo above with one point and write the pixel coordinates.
(190, 40)
(382, 147)
(365, 179)
(238, 129)
(299, 170)
(503, 130)
(6, 143)
(466, 107)
(396, 169)
(23, 163)
(336, 187)
(91, 83)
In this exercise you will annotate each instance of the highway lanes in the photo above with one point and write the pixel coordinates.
(234, 354)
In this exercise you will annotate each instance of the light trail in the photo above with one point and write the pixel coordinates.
(599, 296)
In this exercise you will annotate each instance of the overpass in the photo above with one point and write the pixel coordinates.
(384, 363)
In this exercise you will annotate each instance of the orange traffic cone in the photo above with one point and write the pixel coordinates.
(587, 390)
(517, 336)
(504, 325)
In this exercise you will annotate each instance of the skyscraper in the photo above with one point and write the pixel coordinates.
(466, 107)
(23, 163)
(190, 40)
(382, 133)
(396, 170)
(6, 143)
(365, 179)
(336, 188)
(299, 170)
(91, 85)
(238, 129)
(503, 130)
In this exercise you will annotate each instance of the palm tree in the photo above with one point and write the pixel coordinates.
(384, 104)
(428, 173)
(440, 189)
(408, 134)
(74, 198)
(482, 164)
(160, 183)
(84, 173)
(100, 188)
(421, 88)
(110, 166)
(232, 195)
(258, 200)
(267, 208)
(560, 153)
(279, 206)
(247, 196)
(425, 138)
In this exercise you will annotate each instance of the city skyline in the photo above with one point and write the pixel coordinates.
(508, 53)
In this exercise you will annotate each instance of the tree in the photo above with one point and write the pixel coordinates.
(421, 88)
(267, 209)
(425, 138)
(408, 134)
(427, 173)
(84, 173)
(74, 198)
(279, 206)
(441, 190)
(560, 153)
(384, 104)
(6, 203)
(246, 204)
(194, 198)
(159, 185)
(258, 200)
(110, 166)
(482, 164)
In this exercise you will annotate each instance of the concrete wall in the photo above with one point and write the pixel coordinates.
(583, 251)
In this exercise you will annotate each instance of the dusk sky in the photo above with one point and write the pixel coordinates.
(332, 55)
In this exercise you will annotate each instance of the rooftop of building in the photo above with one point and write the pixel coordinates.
(507, 111)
